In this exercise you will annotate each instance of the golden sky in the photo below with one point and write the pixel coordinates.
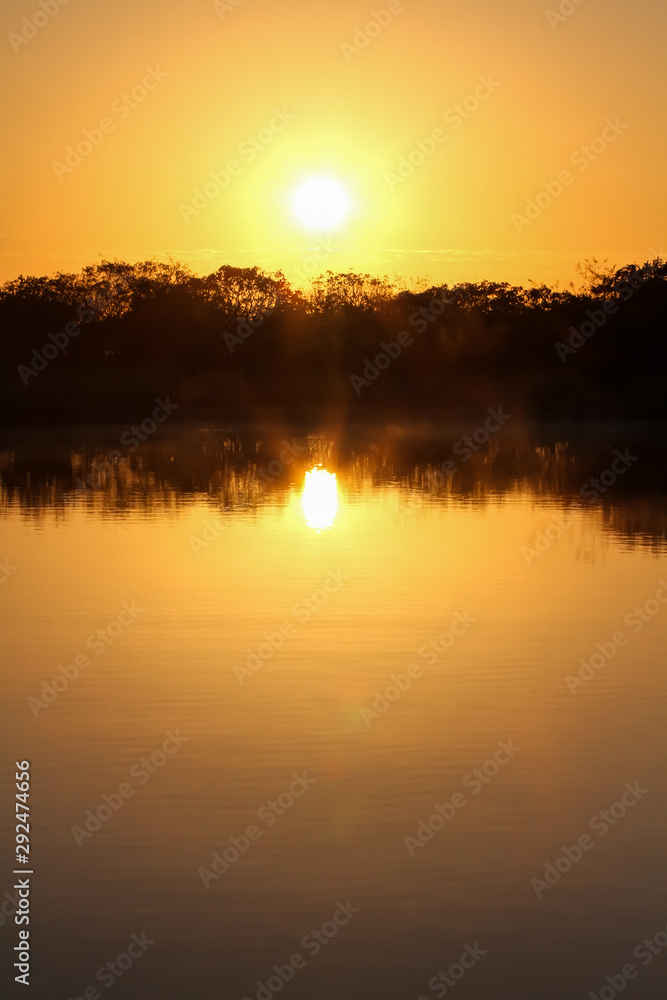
(501, 96)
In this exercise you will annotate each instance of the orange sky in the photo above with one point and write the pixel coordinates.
(221, 73)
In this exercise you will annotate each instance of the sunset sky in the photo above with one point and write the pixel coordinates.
(210, 77)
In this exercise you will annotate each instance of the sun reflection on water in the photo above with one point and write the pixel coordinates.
(320, 498)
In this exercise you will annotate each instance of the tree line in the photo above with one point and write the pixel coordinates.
(103, 343)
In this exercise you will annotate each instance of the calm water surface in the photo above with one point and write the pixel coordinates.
(480, 591)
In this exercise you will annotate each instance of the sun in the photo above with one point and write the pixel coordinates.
(321, 203)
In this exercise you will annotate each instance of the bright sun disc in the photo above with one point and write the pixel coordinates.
(321, 203)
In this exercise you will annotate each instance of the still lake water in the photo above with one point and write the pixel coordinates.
(481, 591)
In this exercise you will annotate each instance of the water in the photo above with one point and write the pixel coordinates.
(235, 647)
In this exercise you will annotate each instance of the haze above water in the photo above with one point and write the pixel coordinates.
(268, 615)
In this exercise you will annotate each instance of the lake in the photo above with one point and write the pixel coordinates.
(358, 713)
